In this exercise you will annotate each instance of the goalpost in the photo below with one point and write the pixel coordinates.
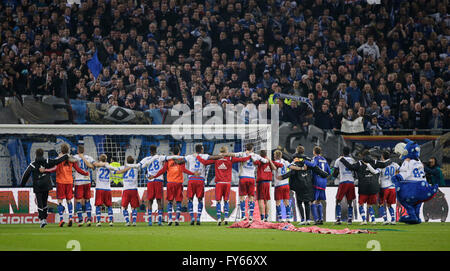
(19, 142)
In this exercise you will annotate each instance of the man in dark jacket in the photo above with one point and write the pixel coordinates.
(41, 181)
(301, 182)
(368, 185)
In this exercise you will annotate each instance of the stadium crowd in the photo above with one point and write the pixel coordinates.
(387, 63)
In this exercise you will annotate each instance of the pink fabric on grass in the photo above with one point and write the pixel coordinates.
(257, 224)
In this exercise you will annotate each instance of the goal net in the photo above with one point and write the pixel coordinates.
(18, 143)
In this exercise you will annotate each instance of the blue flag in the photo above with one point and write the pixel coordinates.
(94, 65)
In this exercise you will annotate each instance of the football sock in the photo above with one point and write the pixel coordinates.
(160, 213)
(200, 209)
(169, 210)
(338, 211)
(226, 208)
(110, 214)
(79, 209)
(191, 209)
(98, 213)
(178, 211)
(149, 213)
(320, 211)
(218, 210)
(126, 215)
(60, 211)
(372, 214)
(362, 213)
(383, 213)
(88, 208)
(350, 212)
(279, 212)
(392, 213)
(134, 215)
(288, 211)
(251, 207)
(242, 205)
(70, 209)
(314, 211)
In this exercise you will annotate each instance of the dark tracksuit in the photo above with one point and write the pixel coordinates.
(368, 183)
(41, 181)
(301, 182)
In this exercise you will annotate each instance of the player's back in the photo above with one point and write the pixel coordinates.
(152, 164)
(386, 175)
(322, 163)
(130, 178)
(174, 172)
(223, 169)
(64, 173)
(103, 175)
(345, 174)
(281, 171)
(247, 169)
(79, 178)
(264, 171)
(193, 164)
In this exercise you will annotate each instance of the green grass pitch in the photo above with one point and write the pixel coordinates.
(210, 237)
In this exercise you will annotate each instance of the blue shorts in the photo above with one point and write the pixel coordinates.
(319, 194)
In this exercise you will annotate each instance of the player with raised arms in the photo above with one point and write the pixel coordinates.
(83, 186)
(320, 184)
(64, 184)
(175, 170)
(196, 184)
(346, 186)
(155, 186)
(130, 194)
(387, 197)
(247, 180)
(103, 196)
(368, 185)
(264, 177)
(223, 170)
(282, 188)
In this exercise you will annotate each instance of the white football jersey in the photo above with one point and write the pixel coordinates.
(155, 163)
(281, 171)
(193, 164)
(412, 170)
(247, 169)
(103, 177)
(386, 175)
(81, 179)
(130, 178)
(345, 174)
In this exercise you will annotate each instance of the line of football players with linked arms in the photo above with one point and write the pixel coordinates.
(255, 175)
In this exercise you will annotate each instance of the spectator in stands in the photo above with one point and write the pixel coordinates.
(373, 127)
(435, 120)
(405, 121)
(434, 172)
(420, 117)
(338, 115)
(293, 114)
(386, 120)
(177, 50)
(323, 118)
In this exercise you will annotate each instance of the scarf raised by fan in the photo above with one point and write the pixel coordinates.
(295, 98)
